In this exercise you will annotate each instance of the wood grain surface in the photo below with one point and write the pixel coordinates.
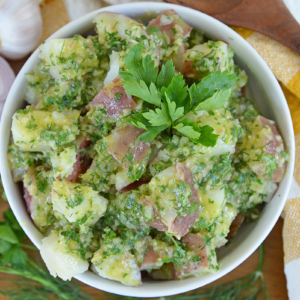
(273, 266)
(270, 17)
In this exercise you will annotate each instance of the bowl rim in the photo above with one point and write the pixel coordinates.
(36, 236)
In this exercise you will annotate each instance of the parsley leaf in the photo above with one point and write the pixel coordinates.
(4, 246)
(118, 96)
(141, 68)
(171, 99)
(11, 220)
(157, 117)
(16, 257)
(176, 91)
(174, 113)
(138, 121)
(203, 134)
(216, 101)
(140, 89)
(7, 234)
(166, 74)
(152, 133)
(207, 137)
(210, 84)
(188, 128)
(42, 185)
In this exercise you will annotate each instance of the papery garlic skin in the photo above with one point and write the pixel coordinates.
(7, 78)
(20, 27)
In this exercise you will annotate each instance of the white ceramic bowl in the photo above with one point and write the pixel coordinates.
(263, 89)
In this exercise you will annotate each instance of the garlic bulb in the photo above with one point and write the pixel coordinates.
(7, 78)
(20, 27)
(78, 8)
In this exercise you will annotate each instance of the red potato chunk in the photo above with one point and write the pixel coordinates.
(264, 150)
(60, 256)
(166, 22)
(120, 266)
(196, 247)
(37, 194)
(134, 186)
(168, 216)
(272, 142)
(69, 163)
(274, 146)
(150, 258)
(182, 225)
(203, 59)
(157, 223)
(123, 142)
(82, 161)
(156, 252)
(235, 225)
(113, 99)
(195, 243)
(132, 155)
(28, 199)
(173, 31)
(119, 27)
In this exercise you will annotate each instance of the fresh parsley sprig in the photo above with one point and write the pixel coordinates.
(170, 99)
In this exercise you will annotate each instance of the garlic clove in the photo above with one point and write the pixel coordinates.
(7, 78)
(20, 27)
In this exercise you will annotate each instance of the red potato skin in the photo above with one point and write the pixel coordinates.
(167, 27)
(188, 68)
(27, 196)
(279, 172)
(193, 242)
(182, 225)
(133, 186)
(150, 258)
(235, 225)
(123, 141)
(106, 97)
(28, 199)
(82, 162)
(271, 145)
(80, 167)
(157, 223)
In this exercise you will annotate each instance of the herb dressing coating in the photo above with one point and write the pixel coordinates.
(139, 152)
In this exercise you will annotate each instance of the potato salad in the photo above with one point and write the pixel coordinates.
(138, 150)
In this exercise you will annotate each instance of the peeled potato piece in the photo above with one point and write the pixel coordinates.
(120, 267)
(60, 258)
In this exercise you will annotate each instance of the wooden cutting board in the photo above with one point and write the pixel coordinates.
(270, 17)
